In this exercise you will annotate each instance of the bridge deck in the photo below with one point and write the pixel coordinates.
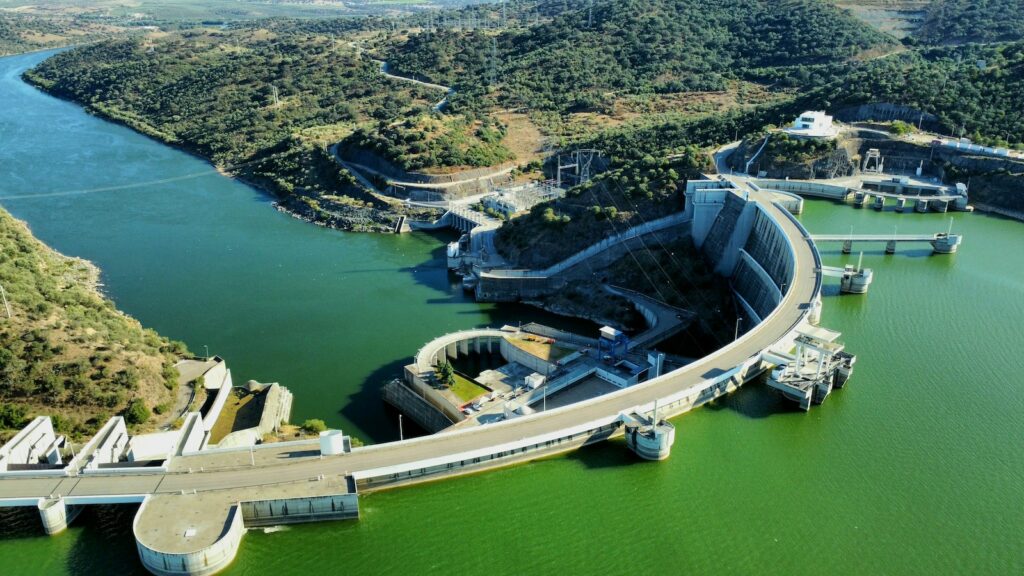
(874, 237)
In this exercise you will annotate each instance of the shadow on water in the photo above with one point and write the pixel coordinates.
(754, 400)
(607, 454)
(107, 528)
(20, 522)
(366, 408)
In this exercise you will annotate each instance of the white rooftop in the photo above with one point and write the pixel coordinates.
(813, 124)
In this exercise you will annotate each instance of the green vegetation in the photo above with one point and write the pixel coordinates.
(465, 388)
(26, 32)
(433, 141)
(314, 426)
(136, 413)
(974, 89)
(900, 128)
(635, 47)
(960, 21)
(260, 105)
(446, 374)
(634, 192)
(66, 350)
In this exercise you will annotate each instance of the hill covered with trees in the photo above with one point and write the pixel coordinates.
(260, 104)
(65, 350)
(581, 58)
(960, 21)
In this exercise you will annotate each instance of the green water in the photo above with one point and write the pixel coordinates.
(917, 467)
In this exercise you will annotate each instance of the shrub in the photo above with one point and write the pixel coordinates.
(136, 412)
(314, 426)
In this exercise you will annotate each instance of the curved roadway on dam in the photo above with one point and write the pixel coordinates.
(187, 505)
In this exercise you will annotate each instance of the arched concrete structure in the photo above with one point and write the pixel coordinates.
(203, 489)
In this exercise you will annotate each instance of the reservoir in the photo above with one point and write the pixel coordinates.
(915, 467)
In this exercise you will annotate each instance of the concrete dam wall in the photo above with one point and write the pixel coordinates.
(745, 244)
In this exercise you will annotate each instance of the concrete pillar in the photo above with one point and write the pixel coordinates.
(56, 515)
(452, 350)
(901, 204)
(946, 244)
(651, 442)
(815, 315)
(847, 246)
(856, 282)
(890, 247)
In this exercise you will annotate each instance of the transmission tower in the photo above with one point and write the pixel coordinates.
(492, 73)
(580, 162)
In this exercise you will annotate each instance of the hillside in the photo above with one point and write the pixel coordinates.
(631, 46)
(29, 32)
(961, 21)
(973, 89)
(260, 104)
(65, 350)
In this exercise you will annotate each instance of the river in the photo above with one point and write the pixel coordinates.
(916, 467)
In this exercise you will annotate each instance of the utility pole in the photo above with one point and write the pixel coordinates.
(7, 306)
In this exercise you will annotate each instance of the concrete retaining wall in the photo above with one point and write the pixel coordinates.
(298, 510)
(512, 353)
(414, 406)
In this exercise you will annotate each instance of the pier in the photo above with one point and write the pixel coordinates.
(941, 243)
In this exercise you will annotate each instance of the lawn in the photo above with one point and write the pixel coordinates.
(466, 389)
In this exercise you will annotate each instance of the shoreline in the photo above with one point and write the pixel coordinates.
(277, 202)
(998, 211)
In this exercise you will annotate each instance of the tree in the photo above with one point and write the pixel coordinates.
(447, 374)
(136, 412)
(314, 426)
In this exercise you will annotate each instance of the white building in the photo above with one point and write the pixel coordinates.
(813, 124)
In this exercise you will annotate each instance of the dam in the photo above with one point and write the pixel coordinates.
(194, 510)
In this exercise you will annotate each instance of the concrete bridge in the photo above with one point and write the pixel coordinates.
(941, 243)
(194, 510)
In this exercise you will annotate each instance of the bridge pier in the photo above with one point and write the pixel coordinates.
(56, 515)
(847, 246)
(946, 243)
(860, 198)
(890, 247)
(901, 204)
(856, 280)
(879, 203)
(651, 442)
(921, 205)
